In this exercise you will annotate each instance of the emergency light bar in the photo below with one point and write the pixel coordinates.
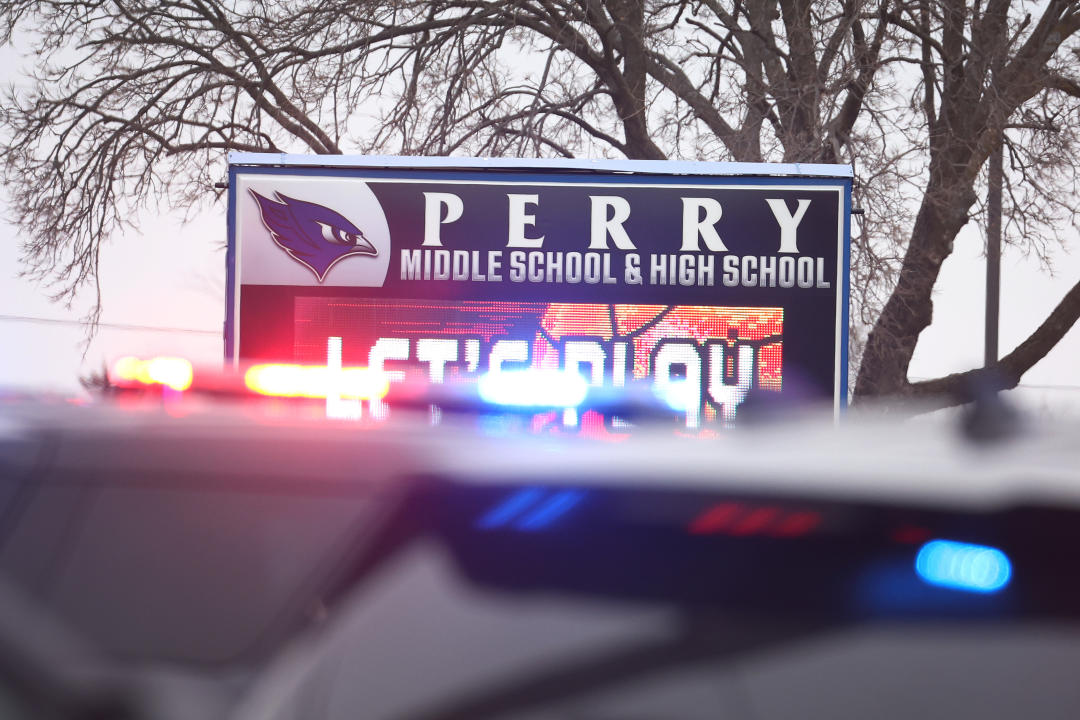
(267, 379)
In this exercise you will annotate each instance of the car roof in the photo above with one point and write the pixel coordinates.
(866, 457)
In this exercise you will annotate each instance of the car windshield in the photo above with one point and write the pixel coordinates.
(422, 642)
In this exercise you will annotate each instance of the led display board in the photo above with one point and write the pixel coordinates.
(723, 280)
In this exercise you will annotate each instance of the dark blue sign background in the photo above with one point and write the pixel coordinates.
(747, 227)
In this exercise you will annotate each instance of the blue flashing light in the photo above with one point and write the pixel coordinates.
(679, 395)
(554, 508)
(963, 566)
(533, 388)
(509, 508)
(531, 508)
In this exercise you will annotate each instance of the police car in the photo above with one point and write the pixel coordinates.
(184, 556)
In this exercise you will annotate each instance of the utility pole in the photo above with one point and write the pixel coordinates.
(994, 181)
(993, 253)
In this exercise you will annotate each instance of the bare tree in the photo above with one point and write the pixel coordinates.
(968, 109)
(133, 101)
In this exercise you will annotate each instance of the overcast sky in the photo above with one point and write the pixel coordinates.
(171, 275)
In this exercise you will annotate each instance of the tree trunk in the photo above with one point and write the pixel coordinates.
(909, 310)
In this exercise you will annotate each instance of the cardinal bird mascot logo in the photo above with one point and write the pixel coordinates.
(313, 235)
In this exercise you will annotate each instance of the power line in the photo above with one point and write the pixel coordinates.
(111, 326)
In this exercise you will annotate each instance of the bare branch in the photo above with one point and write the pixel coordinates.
(951, 389)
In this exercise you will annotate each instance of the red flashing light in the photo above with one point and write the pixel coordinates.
(910, 534)
(316, 381)
(743, 520)
(715, 519)
(756, 521)
(797, 524)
